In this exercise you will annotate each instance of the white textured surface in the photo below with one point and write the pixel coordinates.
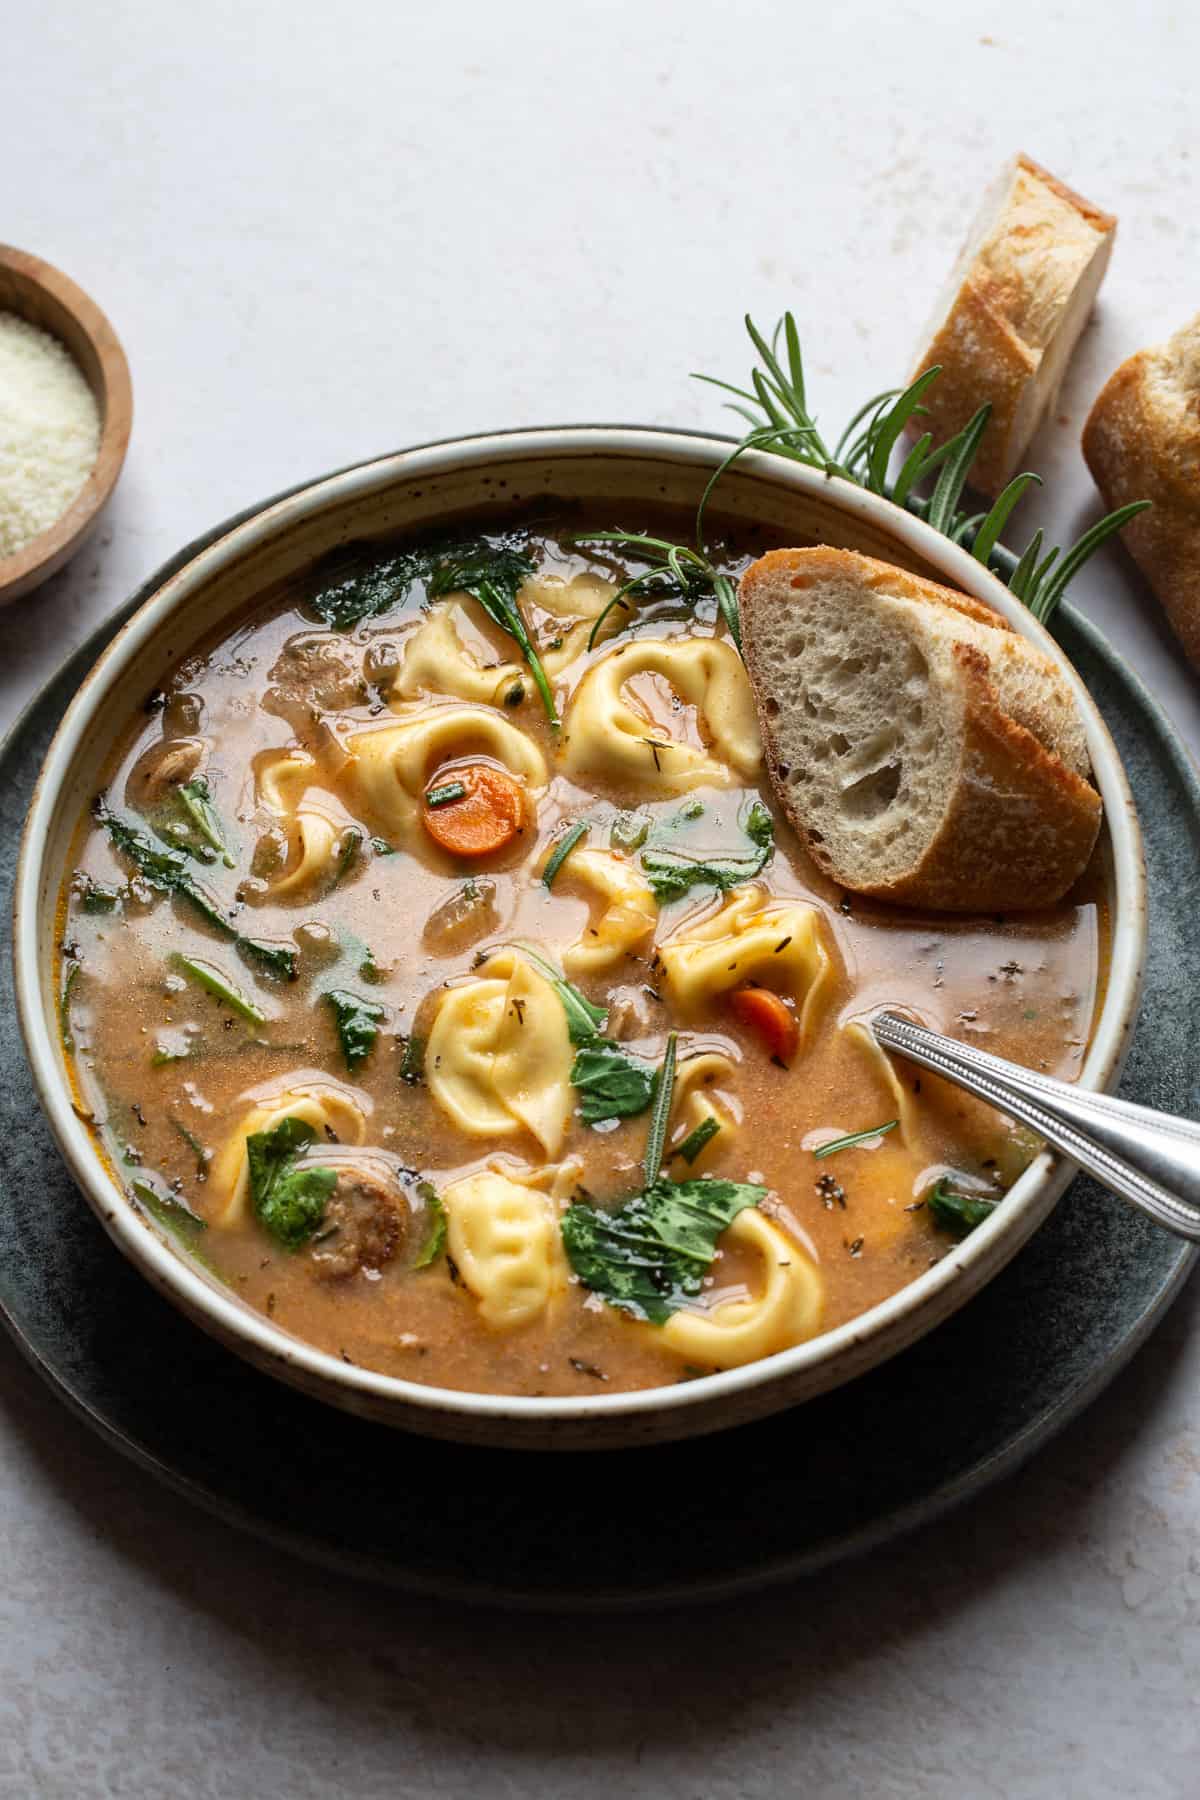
(326, 232)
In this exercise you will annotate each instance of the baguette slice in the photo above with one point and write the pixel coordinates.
(1011, 314)
(1142, 442)
(924, 751)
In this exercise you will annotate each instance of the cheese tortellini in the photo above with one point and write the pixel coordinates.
(749, 938)
(627, 911)
(498, 1060)
(391, 764)
(875, 1060)
(698, 1098)
(503, 1236)
(439, 658)
(737, 1330)
(337, 1115)
(605, 734)
(291, 785)
(573, 605)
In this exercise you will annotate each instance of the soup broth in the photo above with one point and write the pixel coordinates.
(370, 1025)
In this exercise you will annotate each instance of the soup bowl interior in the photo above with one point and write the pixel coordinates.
(435, 487)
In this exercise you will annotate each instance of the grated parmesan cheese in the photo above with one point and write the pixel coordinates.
(49, 431)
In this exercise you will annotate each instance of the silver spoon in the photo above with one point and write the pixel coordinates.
(1151, 1159)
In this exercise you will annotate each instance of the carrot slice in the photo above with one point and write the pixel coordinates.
(484, 817)
(769, 1018)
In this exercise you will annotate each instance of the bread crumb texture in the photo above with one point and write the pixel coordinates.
(49, 431)
(925, 751)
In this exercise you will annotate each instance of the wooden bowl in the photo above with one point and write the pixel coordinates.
(49, 299)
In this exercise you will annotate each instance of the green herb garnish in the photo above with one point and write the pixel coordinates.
(562, 850)
(494, 578)
(196, 800)
(612, 1084)
(357, 1024)
(676, 569)
(353, 589)
(289, 1196)
(855, 1137)
(584, 1020)
(959, 1213)
(199, 1151)
(166, 870)
(64, 1002)
(435, 1237)
(94, 897)
(412, 1063)
(650, 1255)
(696, 1139)
(347, 856)
(172, 1213)
(219, 986)
(660, 1118)
(446, 794)
(775, 407)
(672, 873)
(629, 831)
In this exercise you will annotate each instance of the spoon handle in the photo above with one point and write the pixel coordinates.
(1149, 1158)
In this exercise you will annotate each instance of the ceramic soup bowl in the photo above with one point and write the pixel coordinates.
(417, 490)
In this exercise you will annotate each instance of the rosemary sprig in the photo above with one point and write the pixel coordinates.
(688, 570)
(777, 413)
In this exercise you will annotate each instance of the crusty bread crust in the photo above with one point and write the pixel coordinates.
(1142, 442)
(1015, 306)
(1019, 817)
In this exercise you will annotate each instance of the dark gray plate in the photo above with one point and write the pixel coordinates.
(891, 1451)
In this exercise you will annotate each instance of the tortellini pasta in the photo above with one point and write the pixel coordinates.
(437, 658)
(606, 735)
(292, 786)
(498, 1060)
(736, 1330)
(336, 1114)
(778, 946)
(697, 1098)
(875, 1059)
(503, 1236)
(627, 910)
(577, 601)
(391, 764)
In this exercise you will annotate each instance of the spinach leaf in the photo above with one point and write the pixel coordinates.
(167, 871)
(216, 984)
(629, 831)
(612, 1084)
(672, 873)
(435, 1237)
(650, 1255)
(289, 1196)
(584, 1019)
(172, 1213)
(353, 586)
(196, 800)
(276, 958)
(412, 1063)
(93, 896)
(493, 576)
(959, 1213)
(357, 1024)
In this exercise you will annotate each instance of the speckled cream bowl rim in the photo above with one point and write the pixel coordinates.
(678, 462)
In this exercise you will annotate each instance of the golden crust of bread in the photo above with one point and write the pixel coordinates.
(1020, 824)
(991, 341)
(1142, 442)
